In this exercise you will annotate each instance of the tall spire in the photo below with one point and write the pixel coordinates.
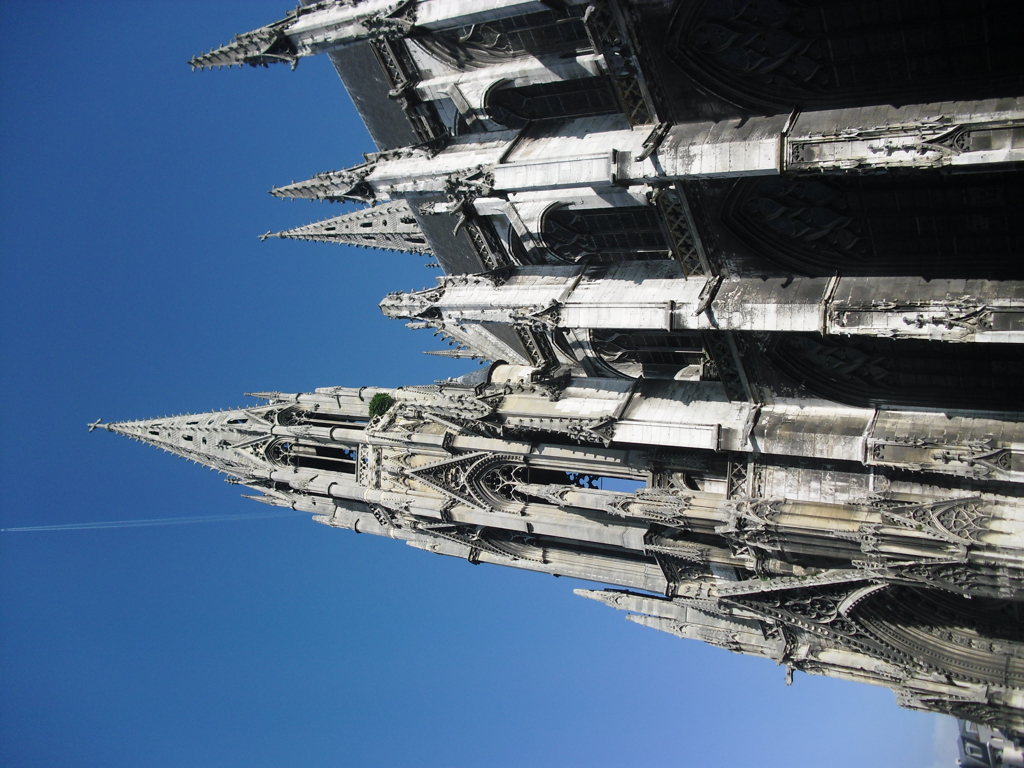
(227, 441)
(389, 227)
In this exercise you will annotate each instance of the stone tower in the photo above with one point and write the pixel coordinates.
(764, 260)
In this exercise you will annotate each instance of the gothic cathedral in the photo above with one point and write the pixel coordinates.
(759, 258)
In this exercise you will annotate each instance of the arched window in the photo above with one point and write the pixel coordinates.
(287, 453)
(604, 235)
(513, 106)
(927, 224)
(865, 372)
(777, 55)
(978, 639)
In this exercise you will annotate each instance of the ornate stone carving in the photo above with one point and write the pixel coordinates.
(390, 226)
(538, 317)
(966, 579)
(671, 204)
(683, 550)
(784, 583)
(679, 571)
(972, 458)
(609, 38)
(384, 516)
(977, 640)
(656, 505)
(961, 520)
(825, 611)
(418, 304)
(533, 335)
(483, 480)
(751, 525)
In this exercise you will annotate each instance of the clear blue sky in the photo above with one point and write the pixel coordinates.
(133, 286)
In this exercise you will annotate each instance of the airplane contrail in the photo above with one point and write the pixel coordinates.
(147, 523)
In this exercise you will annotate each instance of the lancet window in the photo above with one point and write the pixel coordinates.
(514, 107)
(604, 235)
(288, 453)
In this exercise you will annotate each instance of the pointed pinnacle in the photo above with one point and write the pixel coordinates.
(335, 186)
(259, 48)
(390, 226)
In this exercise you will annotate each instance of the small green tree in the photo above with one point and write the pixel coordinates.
(380, 403)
